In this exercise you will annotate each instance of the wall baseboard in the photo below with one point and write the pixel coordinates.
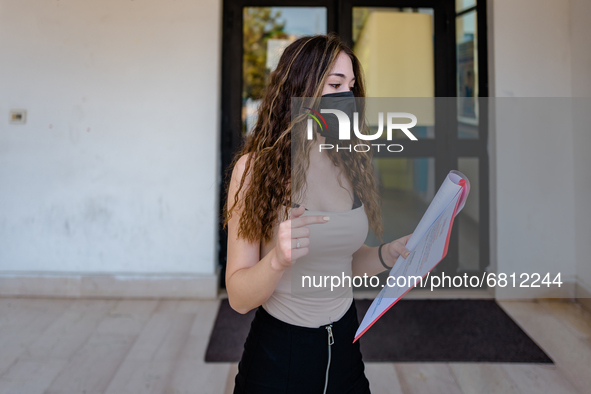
(583, 295)
(518, 293)
(108, 285)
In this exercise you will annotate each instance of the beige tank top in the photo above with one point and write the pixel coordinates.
(331, 249)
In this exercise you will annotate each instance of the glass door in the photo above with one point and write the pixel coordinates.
(433, 50)
(419, 49)
(266, 33)
(254, 37)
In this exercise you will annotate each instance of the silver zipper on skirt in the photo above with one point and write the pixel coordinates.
(330, 342)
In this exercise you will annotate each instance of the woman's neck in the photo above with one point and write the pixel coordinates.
(317, 154)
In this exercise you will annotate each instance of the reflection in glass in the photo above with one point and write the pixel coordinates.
(469, 218)
(395, 48)
(467, 79)
(407, 186)
(464, 4)
(423, 108)
(267, 32)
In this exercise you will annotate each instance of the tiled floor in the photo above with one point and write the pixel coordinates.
(152, 346)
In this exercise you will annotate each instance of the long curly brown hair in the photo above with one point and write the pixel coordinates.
(301, 72)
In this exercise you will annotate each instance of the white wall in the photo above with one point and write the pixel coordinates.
(535, 46)
(581, 87)
(116, 170)
(532, 49)
(581, 50)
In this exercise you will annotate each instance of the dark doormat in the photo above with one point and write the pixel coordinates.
(411, 331)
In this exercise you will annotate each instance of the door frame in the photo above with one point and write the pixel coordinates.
(445, 148)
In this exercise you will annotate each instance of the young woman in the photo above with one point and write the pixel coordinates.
(310, 210)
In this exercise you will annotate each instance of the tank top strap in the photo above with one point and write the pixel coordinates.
(357, 201)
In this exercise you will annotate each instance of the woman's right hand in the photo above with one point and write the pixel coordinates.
(291, 232)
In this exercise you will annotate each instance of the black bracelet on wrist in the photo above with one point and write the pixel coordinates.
(380, 255)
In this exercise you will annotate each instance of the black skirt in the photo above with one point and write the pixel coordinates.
(279, 357)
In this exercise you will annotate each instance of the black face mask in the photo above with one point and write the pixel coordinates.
(342, 101)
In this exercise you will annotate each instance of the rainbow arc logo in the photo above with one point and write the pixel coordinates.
(316, 118)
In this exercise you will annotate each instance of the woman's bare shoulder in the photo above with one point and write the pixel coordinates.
(237, 175)
(240, 166)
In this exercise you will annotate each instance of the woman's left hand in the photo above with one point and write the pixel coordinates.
(397, 248)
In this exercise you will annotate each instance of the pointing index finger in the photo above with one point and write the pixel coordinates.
(306, 220)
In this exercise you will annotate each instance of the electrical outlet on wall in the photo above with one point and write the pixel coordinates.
(18, 116)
